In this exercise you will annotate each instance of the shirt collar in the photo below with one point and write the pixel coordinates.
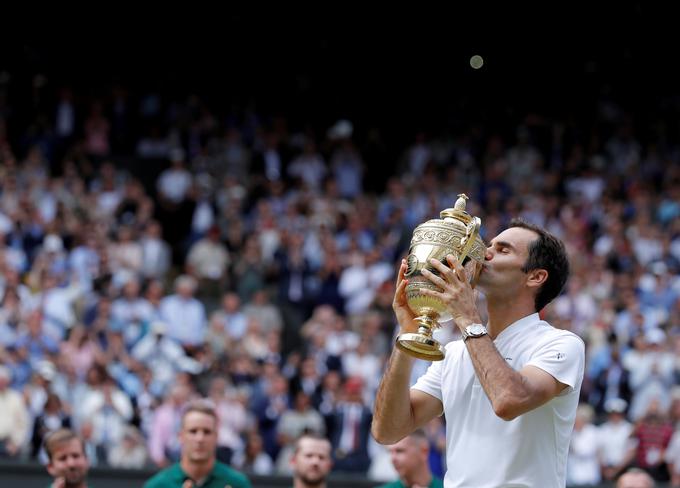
(178, 474)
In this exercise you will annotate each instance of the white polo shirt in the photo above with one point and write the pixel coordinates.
(485, 451)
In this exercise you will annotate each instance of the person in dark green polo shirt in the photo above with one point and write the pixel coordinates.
(198, 466)
(410, 459)
(67, 461)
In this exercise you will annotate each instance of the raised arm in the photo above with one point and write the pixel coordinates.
(398, 409)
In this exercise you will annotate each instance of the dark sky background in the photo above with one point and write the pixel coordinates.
(386, 67)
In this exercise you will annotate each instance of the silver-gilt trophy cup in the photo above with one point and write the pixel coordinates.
(457, 233)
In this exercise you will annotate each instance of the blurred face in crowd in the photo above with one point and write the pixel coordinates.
(311, 461)
(198, 437)
(69, 462)
(635, 480)
(408, 456)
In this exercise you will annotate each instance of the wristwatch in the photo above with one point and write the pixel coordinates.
(474, 330)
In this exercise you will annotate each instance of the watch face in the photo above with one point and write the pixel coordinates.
(476, 330)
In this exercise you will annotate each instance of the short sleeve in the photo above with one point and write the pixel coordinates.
(430, 382)
(563, 357)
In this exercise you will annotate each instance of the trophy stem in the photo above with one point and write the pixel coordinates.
(427, 322)
(421, 344)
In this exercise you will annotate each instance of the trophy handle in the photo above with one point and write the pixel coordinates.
(471, 233)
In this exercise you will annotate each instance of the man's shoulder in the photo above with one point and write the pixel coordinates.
(228, 474)
(162, 478)
(549, 333)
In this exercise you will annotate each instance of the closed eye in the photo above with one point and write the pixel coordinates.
(503, 247)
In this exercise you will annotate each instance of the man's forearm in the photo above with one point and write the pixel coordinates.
(393, 416)
(503, 385)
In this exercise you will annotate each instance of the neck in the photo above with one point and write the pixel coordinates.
(82, 484)
(197, 471)
(420, 478)
(503, 313)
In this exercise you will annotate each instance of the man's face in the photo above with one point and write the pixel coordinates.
(198, 437)
(407, 456)
(69, 462)
(504, 260)
(312, 461)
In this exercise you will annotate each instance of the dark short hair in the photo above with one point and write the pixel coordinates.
(546, 252)
(57, 438)
(309, 434)
(202, 405)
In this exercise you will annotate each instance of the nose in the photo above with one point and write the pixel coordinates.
(488, 255)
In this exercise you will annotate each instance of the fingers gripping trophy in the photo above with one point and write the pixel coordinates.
(456, 233)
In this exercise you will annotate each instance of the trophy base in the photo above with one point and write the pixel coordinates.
(420, 346)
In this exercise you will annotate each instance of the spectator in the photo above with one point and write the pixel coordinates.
(129, 452)
(207, 261)
(163, 442)
(198, 464)
(14, 419)
(253, 458)
(294, 422)
(156, 253)
(614, 439)
(349, 428)
(232, 418)
(311, 461)
(583, 467)
(653, 435)
(53, 417)
(109, 410)
(184, 315)
(67, 461)
(410, 458)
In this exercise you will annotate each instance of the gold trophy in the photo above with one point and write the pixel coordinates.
(457, 233)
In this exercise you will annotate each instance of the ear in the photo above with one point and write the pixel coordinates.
(50, 469)
(536, 278)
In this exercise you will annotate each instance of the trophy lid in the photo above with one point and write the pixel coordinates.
(458, 211)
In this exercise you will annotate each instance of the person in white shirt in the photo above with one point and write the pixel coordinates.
(583, 467)
(14, 421)
(183, 314)
(614, 439)
(509, 390)
(156, 252)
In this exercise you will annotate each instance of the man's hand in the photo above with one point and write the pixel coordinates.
(456, 293)
(403, 312)
(59, 482)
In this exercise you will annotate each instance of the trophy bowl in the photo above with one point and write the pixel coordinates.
(456, 233)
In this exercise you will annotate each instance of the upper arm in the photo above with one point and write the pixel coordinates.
(537, 388)
(541, 386)
(555, 366)
(425, 407)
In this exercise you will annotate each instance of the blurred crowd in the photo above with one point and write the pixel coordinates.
(154, 250)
